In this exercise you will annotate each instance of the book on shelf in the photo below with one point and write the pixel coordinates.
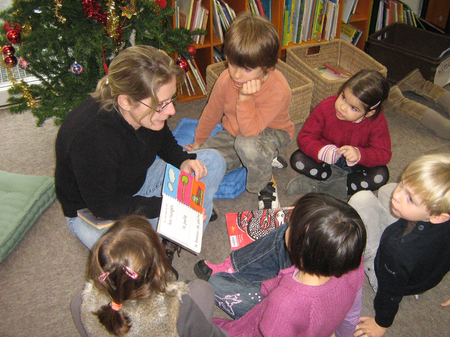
(204, 26)
(248, 226)
(195, 72)
(181, 217)
(350, 33)
(94, 221)
(333, 73)
(267, 7)
(217, 25)
(385, 12)
(319, 18)
(185, 12)
(348, 9)
(260, 8)
(331, 19)
(307, 20)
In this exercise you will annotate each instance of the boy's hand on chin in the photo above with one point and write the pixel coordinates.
(249, 88)
(367, 327)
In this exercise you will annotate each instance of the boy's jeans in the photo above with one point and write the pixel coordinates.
(261, 260)
(152, 186)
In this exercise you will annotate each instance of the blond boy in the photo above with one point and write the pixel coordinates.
(408, 229)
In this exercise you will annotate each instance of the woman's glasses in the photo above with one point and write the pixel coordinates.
(161, 106)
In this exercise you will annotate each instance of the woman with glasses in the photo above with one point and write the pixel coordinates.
(111, 150)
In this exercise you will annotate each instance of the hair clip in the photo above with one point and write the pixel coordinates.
(103, 277)
(107, 81)
(131, 273)
(375, 106)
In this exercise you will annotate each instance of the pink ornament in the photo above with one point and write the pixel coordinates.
(23, 64)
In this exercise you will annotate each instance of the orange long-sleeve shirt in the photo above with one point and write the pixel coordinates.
(267, 108)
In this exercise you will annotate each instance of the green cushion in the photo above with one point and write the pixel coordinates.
(22, 199)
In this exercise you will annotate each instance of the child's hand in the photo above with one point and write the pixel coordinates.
(367, 327)
(249, 88)
(192, 147)
(351, 154)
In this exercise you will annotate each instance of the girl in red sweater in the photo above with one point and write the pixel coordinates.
(348, 130)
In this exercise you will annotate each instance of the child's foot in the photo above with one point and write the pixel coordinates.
(204, 269)
(268, 196)
(279, 162)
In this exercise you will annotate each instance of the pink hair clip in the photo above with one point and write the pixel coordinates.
(131, 273)
(375, 106)
(103, 277)
(115, 306)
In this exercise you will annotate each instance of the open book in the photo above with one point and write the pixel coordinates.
(248, 226)
(181, 217)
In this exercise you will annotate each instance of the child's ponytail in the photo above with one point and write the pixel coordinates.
(114, 319)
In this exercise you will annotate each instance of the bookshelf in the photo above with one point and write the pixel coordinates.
(205, 52)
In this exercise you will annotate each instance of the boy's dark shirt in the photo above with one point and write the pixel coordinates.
(409, 264)
(102, 161)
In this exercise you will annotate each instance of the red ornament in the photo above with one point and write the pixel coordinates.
(8, 50)
(161, 3)
(13, 36)
(192, 50)
(7, 26)
(10, 61)
(183, 64)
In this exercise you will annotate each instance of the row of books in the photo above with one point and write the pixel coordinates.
(306, 20)
(193, 78)
(223, 16)
(261, 7)
(385, 12)
(192, 15)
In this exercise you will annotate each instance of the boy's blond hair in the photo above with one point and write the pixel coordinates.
(252, 41)
(429, 177)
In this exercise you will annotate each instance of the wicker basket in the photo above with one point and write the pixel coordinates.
(336, 53)
(301, 86)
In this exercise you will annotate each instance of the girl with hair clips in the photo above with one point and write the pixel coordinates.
(348, 130)
(319, 291)
(131, 291)
(112, 149)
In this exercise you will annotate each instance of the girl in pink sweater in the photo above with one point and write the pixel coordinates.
(320, 294)
(348, 130)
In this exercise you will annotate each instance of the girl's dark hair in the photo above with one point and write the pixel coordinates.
(252, 41)
(326, 236)
(131, 243)
(370, 87)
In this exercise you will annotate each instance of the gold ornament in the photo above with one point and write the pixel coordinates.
(31, 102)
(58, 6)
(26, 29)
(112, 20)
(129, 10)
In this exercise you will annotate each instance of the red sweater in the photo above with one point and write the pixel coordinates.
(322, 127)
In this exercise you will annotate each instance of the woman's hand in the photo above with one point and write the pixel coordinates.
(367, 327)
(194, 166)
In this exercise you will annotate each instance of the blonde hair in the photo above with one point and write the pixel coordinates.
(429, 177)
(137, 72)
(251, 42)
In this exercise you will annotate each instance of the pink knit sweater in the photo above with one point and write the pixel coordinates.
(294, 309)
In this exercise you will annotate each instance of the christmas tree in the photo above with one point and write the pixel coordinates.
(68, 45)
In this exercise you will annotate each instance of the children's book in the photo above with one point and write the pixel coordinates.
(181, 217)
(91, 219)
(333, 73)
(248, 226)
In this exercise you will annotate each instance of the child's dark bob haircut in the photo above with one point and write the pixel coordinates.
(251, 42)
(370, 87)
(326, 236)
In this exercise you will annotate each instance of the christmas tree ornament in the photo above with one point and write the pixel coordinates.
(76, 68)
(10, 61)
(7, 26)
(112, 21)
(58, 7)
(23, 64)
(183, 64)
(8, 50)
(161, 3)
(129, 10)
(13, 36)
(192, 50)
